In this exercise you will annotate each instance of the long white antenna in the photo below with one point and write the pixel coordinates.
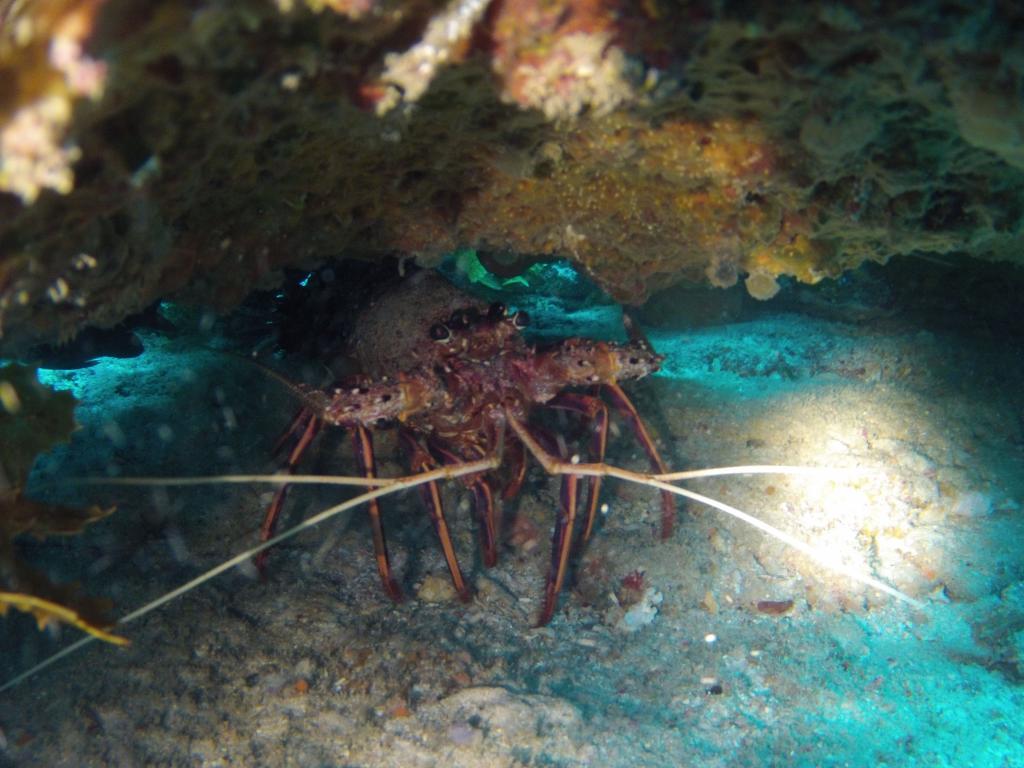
(393, 485)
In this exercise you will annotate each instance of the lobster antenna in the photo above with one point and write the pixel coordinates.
(276, 479)
(556, 466)
(397, 484)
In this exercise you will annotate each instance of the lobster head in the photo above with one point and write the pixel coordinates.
(635, 360)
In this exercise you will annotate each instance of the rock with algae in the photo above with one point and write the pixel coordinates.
(157, 148)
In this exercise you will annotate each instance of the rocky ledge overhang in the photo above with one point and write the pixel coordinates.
(153, 149)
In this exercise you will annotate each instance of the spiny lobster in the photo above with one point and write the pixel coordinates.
(467, 391)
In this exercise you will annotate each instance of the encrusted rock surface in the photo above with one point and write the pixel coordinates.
(150, 149)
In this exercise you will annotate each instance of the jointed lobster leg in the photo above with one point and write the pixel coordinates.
(298, 425)
(363, 445)
(483, 502)
(561, 543)
(421, 461)
(309, 425)
(595, 411)
(483, 497)
(628, 411)
(515, 457)
(540, 446)
(561, 540)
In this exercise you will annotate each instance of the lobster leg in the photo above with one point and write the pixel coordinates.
(308, 424)
(561, 540)
(483, 498)
(560, 545)
(596, 411)
(515, 456)
(297, 426)
(421, 461)
(363, 444)
(483, 504)
(628, 411)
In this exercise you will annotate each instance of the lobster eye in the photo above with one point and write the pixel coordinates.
(440, 332)
(496, 311)
(458, 320)
(471, 314)
(520, 319)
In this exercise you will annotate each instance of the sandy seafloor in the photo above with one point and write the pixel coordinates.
(313, 666)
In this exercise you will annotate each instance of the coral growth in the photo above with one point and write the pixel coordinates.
(408, 75)
(650, 142)
(42, 49)
(561, 58)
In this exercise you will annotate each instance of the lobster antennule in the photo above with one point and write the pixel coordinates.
(312, 399)
(634, 332)
(637, 357)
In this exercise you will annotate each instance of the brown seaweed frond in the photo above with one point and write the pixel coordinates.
(33, 419)
(47, 611)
